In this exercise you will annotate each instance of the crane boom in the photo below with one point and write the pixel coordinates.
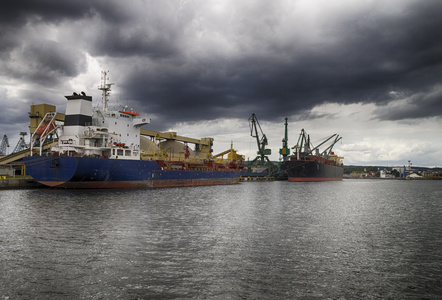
(326, 140)
(262, 141)
(328, 150)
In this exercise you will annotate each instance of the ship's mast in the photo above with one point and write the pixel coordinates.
(106, 89)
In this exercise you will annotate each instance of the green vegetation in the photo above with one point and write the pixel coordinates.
(396, 173)
(349, 170)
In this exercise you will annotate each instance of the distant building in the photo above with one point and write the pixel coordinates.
(401, 170)
(386, 174)
(362, 174)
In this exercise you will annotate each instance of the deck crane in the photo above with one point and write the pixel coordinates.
(325, 141)
(4, 145)
(329, 149)
(304, 145)
(262, 142)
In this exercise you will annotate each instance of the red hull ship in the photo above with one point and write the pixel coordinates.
(308, 164)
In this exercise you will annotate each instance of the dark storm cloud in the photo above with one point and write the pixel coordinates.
(26, 54)
(20, 31)
(19, 13)
(201, 60)
(146, 30)
(45, 63)
(359, 58)
(420, 105)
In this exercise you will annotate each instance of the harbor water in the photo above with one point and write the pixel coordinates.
(354, 239)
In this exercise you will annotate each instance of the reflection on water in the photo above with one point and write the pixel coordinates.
(266, 240)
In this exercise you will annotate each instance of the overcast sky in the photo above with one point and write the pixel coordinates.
(370, 71)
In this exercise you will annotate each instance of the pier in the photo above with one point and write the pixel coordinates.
(18, 182)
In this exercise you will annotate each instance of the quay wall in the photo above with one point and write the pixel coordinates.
(18, 182)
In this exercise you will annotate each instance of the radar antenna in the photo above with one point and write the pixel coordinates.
(106, 89)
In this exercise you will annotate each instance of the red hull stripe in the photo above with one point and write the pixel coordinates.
(299, 179)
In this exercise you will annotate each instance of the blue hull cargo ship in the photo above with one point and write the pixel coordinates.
(101, 148)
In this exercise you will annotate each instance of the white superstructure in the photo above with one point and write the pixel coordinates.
(99, 132)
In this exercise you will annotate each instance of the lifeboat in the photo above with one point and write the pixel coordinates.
(132, 113)
(49, 126)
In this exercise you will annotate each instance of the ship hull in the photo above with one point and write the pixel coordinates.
(312, 171)
(97, 173)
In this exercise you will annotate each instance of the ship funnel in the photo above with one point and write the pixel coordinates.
(78, 110)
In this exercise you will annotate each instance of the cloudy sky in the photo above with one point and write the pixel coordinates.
(369, 70)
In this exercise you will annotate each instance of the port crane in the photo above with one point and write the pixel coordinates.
(4, 145)
(21, 145)
(261, 142)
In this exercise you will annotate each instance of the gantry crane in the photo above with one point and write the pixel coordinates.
(4, 145)
(21, 145)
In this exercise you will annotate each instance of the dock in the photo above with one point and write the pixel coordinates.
(18, 182)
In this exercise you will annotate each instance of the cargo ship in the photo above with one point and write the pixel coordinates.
(103, 148)
(307, 163)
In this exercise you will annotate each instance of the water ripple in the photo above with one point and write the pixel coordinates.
(257, 240)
